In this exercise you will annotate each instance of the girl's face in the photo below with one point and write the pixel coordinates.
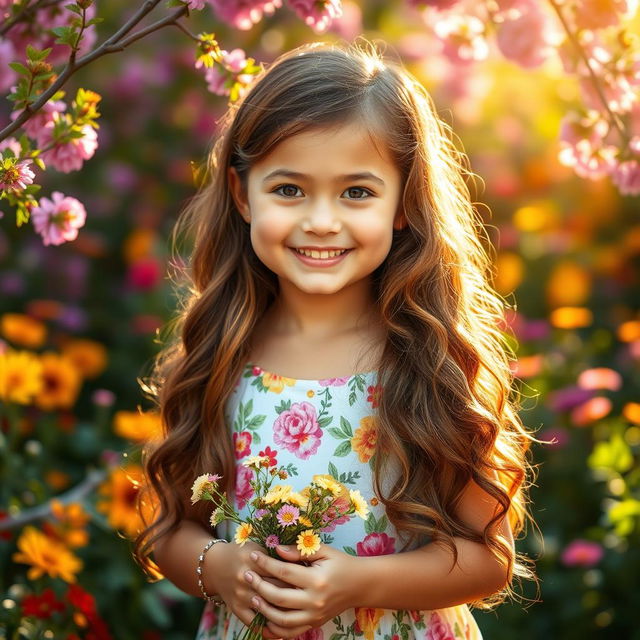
(323, 192)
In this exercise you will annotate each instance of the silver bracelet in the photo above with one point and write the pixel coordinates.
(215, 598)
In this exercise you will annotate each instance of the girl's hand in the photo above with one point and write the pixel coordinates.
(320, 591)
(230, 568)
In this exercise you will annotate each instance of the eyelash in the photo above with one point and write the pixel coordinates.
(363, 189)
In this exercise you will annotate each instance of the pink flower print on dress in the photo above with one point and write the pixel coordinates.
(333, 382)
(340, 505)
(311, 634)
(244, 490)
(376, 544)
(439, 629)
(209, 617)
(297, 430)
(242, 444)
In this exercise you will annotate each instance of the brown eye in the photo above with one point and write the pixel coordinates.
(358, 193)
(287, 190)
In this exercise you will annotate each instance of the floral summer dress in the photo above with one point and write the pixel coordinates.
(324, 427)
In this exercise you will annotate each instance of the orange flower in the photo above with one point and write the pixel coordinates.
(138, 426)
(120, 503)
(46, 555)
(23, 330)
(70, 526)
(20, 376)
(571, 317)
(61, 382)
(88, 356)
(367, 620)
(364, 439)
(276, 383)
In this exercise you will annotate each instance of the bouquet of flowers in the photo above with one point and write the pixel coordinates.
(278, 515)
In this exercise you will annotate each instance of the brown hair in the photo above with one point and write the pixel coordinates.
(450, 414)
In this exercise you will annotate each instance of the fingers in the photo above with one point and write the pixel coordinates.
(288, 572)
(284, 597)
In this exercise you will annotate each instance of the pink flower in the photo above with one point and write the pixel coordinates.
(339, 505)
(242, 444)
(604, 13)
(317, 14)
(588, 161)
(527, 39)
(591, 411)
(144, 274)
(311, 634)
(59, 219)
(626, 176)
(588, 125)
(243, 14)
(8, 76)
(376, 544)
(600, 378)
(196, 5)
(272, 541)
(333, 382)
(68, 156)
(17, 177)
(288, 515)
(581, 553)
(439, 629)
(36, 123)
(462, 38)
(297, 430)
(13, 144)
(244, 490)
(261, 513)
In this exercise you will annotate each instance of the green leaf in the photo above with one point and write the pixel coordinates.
(35, 55)
(94, 21)
(336, 433)
(325, 421)
(370, 524)
(74, 7)
(20, 68)
(256, 438)
(333, 471)
(350, 550)
(613, 455)
(343, 449)
(346, 426)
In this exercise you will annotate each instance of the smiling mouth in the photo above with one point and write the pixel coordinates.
(320, 255)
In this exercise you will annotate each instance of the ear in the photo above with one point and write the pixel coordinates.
(238, 194)
(400, 220)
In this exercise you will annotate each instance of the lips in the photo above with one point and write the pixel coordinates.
(318, 261)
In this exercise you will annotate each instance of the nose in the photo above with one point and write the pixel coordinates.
(321, 218)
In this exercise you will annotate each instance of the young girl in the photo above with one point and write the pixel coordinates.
(339, 320)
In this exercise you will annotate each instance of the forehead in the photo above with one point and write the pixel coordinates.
(326, 150)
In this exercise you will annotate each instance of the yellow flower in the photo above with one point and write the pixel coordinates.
(203, 484)
(305, 521)
(120, 501)
(276, 383)
(256, 461)
(328, 482)
(61, 382)
(359, 503)
(46, 555)
(138, 426)
(364, 439)
(70, 526)
(296, 499)
(23, 330)
(88, 356)
(243, 532)
(368, 620)
(20, 376)
(308, 542)
(279, 493)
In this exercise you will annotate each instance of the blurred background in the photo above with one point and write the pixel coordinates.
(90, 311)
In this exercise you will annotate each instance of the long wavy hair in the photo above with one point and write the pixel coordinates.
(449, 410)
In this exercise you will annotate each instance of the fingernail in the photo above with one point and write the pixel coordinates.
(284, 547)
(255, 602)
(254, 555)
(248, 577)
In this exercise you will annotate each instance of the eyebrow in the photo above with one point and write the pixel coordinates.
(286, 173)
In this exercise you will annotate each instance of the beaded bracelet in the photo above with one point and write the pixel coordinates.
(215, 599)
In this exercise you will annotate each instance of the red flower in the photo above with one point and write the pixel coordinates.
(242, 444)
(42, 606)
(376, 544)
(374, 395)
(4, 535)
(81, 600)
(272, 456)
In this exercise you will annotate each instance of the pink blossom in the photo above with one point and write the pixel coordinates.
(591, 411)
(604, 13)
(439, 629)
(289, 510)
(13, 144)
(68, 156)
(334, 382)
(34, 125)
(216, 80)
(244, 490)
(58, 220)
(8, 76)
(209, 617)
(272, 541)
(242, 444)
(261, 513)
(297, 429)
(311, 634)
(317, 14)
(581, 553)
(144, 274)
(463, 38)
(626, 176)
(103, 397)
(195, 5)
(587, 125)
(339, 505)
(528, 38)
(17, 177)
(588, 160)
(243, 14)
(600, 378)
(350, 24)
(376, 544)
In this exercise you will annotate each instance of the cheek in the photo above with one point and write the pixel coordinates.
(376, 235)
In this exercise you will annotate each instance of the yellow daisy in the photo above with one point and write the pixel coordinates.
(243, 532)
(256, 461)
(297, 500)
(305, 521)
(61, 382)
(203, 484)
(279, 493)
(276, 383)
(359, 503)
(328, 482)
(308, 542)
(20, 376)
(23, 330)
(46, 555)
(138, 426)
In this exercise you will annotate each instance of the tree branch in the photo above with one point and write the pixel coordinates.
(113, 44)
(78, 493)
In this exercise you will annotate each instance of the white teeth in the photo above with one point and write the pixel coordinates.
(322, 255)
